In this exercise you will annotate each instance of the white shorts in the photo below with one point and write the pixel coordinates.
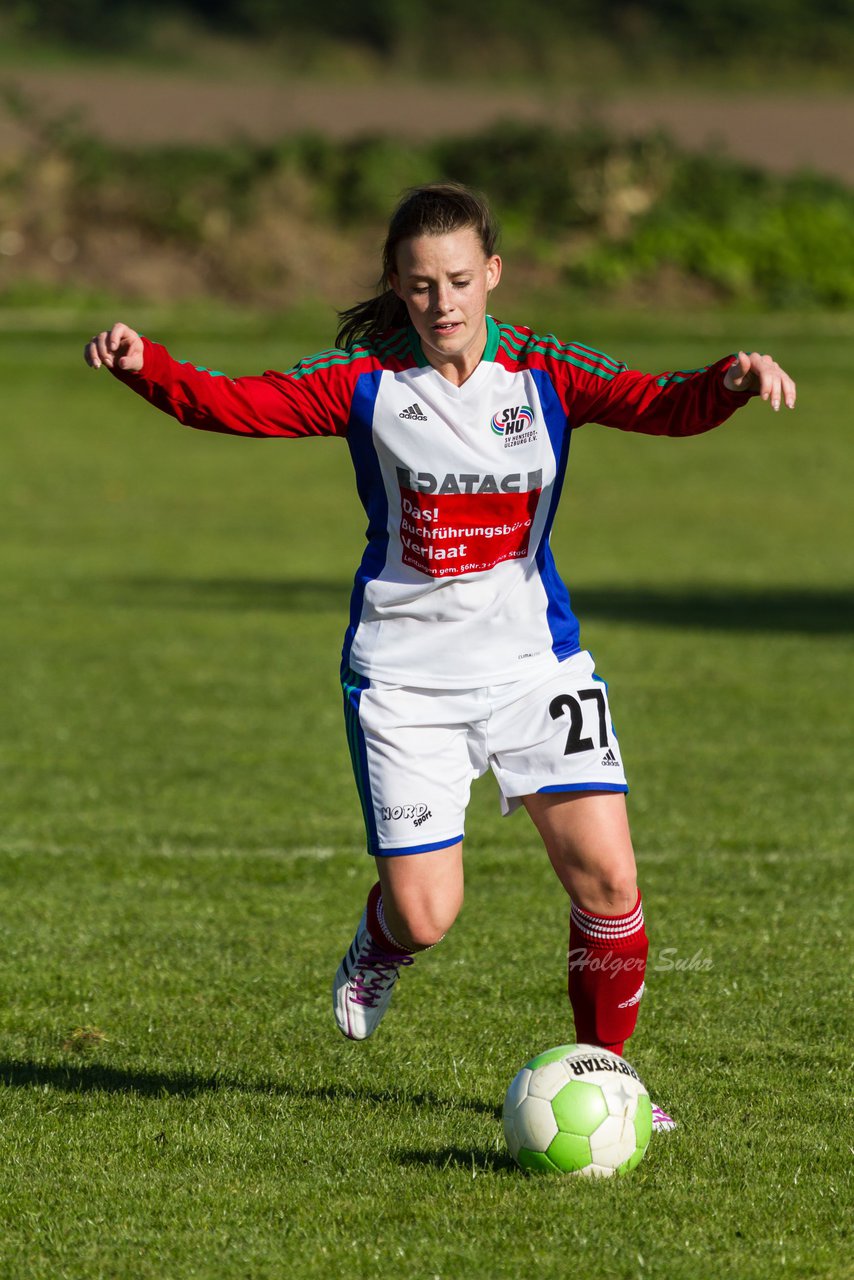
(415, 751)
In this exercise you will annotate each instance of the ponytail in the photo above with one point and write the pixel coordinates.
(373, 316)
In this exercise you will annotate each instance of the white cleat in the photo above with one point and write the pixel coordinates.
(364, 984)
(661, 1121)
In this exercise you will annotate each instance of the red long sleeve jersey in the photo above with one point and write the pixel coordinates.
(460, 484)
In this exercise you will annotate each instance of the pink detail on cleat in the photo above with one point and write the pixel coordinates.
(661, 1121)
(364, 984)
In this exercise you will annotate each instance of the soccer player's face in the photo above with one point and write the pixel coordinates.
(445, 281)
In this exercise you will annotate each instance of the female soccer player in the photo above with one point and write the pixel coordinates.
(462, 651)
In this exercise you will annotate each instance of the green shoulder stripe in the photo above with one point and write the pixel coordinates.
(395, 341)
(567, 356)
(572, 352)
(509, 337)
(325, 360)
(381, 348)
(679, 375)
(598, 355)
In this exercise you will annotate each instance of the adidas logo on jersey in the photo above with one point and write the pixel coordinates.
(415, 413)
(609, 758)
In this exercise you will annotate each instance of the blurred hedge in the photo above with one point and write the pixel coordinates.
(587, 210)
(445, 34)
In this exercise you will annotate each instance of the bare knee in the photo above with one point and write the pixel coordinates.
(422, 895)
(589, 844)
(418, 923)
(606, 891)
(604, 883)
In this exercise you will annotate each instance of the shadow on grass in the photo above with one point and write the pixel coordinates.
(241, 594)
(805, 610)
(90, 1077)
(93, 1077)
(474, 1158)
(394, 1097)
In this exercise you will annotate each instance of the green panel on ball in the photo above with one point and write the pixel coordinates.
(633, 1160)
(535, 1161)
(570, 1152)
(580, 1107)
(643, 1121)
(550, 1055)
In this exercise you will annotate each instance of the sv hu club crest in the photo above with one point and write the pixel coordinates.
(513, 421)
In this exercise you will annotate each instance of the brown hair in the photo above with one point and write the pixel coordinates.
(433, 210)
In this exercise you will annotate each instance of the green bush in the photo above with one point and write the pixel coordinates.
(608, 213)
(749, 236)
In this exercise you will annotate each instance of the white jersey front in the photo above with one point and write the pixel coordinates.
(462, 486)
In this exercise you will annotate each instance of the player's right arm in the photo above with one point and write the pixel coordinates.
(312, 399)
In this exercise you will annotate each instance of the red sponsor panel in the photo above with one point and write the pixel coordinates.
(446, 534)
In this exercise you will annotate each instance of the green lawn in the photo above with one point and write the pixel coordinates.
(182, 852)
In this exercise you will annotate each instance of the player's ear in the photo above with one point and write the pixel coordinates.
(493, 272)
(394, 282)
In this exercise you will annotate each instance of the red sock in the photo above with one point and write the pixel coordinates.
(377, 927)
(607, 960)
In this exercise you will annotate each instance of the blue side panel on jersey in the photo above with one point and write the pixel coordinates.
(562, 622)
(369, 483)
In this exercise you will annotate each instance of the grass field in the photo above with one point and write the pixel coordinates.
(182, 853)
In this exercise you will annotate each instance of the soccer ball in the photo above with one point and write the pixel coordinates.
(577, 1109)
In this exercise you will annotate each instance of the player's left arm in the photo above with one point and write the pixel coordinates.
(682, 403)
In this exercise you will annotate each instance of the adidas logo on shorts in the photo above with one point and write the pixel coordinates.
(415, 413)
(609, 758)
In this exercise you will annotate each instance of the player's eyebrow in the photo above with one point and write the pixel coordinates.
(422, 275)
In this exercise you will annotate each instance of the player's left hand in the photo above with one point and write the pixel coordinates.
(762, 376)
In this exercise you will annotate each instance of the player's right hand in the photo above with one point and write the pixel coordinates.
(120, 347)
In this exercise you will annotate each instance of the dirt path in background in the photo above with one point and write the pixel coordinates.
(782, 132)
